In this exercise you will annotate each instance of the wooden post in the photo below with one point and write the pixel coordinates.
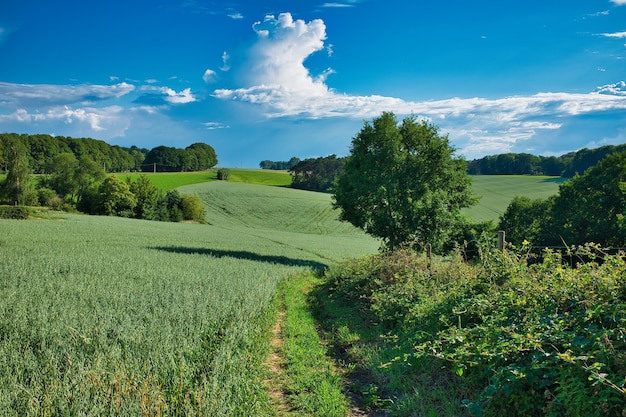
(429, 254)
(501, 239)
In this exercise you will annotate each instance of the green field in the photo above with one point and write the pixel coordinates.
(497, 191)
(112, 316)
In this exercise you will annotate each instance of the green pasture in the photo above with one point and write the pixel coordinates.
(169, 180)
(113, 316)
(261, 176)
(497, 191)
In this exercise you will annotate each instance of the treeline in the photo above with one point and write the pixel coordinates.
(317, 174)
(72, 183)
(566, 165)
(43, 149)
(588, 208)
(279, 165)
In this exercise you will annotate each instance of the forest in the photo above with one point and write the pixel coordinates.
(43, 149)
(311, 173)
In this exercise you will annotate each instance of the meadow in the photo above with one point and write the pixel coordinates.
(112, 316)
(497, 191)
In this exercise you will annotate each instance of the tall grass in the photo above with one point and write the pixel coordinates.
(111, 316)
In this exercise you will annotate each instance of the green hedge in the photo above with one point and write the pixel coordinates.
(13, 212)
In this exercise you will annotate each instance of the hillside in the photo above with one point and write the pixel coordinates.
(497, 191)
(113, 316)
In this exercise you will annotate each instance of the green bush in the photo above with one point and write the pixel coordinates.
(540, 339)
(192, 208)
(13, 212)
(223, 174)
(45, 195)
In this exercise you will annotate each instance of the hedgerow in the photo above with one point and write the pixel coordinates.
(522, 339)
(13, 212)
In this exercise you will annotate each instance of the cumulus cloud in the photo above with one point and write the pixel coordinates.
(209, 76)
(277, 58)
(282, 86)
(619, 2)
(618, 89)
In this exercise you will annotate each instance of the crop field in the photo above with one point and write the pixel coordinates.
(112, 316)
(165, 181)
(497, 191)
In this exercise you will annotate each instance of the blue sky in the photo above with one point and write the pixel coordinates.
(276, 79)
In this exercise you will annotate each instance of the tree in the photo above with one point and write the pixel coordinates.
(402, 183)
(592, 207)
(525, 219)
(115, 198)
(316, 174)
(147, 196)
(17, 186)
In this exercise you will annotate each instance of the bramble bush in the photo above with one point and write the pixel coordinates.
(524, 338)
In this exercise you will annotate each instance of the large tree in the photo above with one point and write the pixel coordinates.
(592, 207)
(17, 187)
(403, 183)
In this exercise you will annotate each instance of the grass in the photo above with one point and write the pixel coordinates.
(261, 177)
(309, 379)
(166, 181)
(112, 316)
(497, 191)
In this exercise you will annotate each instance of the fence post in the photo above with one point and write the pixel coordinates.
(501, 239)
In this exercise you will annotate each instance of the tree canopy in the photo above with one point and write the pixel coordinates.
(589, 208)
(403, 183)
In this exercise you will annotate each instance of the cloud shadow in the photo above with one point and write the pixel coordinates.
(244, 255)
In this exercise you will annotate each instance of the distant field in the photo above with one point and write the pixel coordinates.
(261, 176)
(169, 180)
(497, 191)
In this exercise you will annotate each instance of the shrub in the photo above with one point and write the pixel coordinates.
(13, 212)
(192, 208)
(541, 339)
(45, 195)
(223, 174)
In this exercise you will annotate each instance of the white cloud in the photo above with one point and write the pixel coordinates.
(281, 85)
(171, 96)
(209, 76)
(618, 89)
(23, 95)
(214, 125)
(235, 15)
(113, 119)
(619, 2)
(617, 35)
(277, 59)
(225, 60)
(347, 3)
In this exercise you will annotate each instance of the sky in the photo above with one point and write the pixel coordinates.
(262, 80)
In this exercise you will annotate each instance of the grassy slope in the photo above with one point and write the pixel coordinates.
(127, 316)
(497, 191)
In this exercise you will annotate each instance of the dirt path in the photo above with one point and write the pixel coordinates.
(275, 384)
